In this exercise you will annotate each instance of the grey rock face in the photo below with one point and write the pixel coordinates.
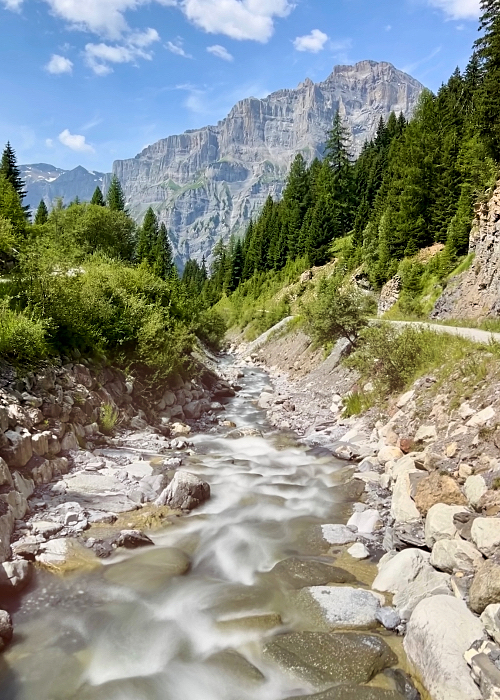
(207, 183)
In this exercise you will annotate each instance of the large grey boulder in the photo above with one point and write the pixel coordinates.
(16, 448)
(440, 631)
(186, 491)
(339, 607)
(411, 578)
(337, 534)
(14, 575)
(439, 523)
(456, 555)
(6, 629)
(485, 533)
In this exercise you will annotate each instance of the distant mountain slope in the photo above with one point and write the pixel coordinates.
(44, 181)
(208, 182)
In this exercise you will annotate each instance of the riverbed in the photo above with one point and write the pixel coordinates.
(188, 619)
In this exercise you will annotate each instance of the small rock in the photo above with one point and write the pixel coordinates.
(405, 398)
(131, 539)
(389, 453)
(344, 607)
(481, 418)
(186, 491)
(337, 534)
(14, 575)
(426, 433)
(358, 551)
(437, 488)
(474, 488)
(439, 523)
(365, 522)
(388, 618)
(179, 429)
(455, 555)
(46, 528)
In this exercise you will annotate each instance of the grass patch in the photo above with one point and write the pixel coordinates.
(108, 418)
(356, 402)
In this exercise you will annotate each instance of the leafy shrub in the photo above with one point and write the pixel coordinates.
(22, 338)
(210, 328)
(337, 312)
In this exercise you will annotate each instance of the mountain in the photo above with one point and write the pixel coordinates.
(208, 182)
(44, 181)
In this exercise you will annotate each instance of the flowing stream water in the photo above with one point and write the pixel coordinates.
(130, 631)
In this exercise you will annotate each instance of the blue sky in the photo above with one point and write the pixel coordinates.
(90, 81)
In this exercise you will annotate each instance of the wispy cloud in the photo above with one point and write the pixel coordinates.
(59, 65)
(176, 47)
(99, 57)
(413, 66)
(220, 52)
(76, 142)
(313, 42)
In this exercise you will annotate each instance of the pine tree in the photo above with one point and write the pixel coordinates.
(9, 169)
(161, 254)
(115, 197)
(148, 234)
(97, 198)
(339, 158)
(488, 48)
(42, 213)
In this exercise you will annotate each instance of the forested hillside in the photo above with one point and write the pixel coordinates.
(413, 185)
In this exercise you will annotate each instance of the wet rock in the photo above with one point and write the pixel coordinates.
(491, 621)
(236, 666)
(438, 488)
(485, 533)
(14, 575)
(455, 555)
(299, 573)
(186, 491)
(441, 629)
(439, 523)
(6, 629)
(388, 617)
(321, 658)
(485, 588)
(349, 691)
(403, 683)
(131, 539)
(149, 570)
(339, 607)
(338, 534)
(411, 578)
(263, 623)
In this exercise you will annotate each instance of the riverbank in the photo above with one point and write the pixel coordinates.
(427, 466)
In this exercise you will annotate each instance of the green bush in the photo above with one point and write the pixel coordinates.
(337, 312)
(22, 338)
(108, 418)
(210, 328)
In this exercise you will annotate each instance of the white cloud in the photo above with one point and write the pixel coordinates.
(458, 9)
(99, 56)
(220, 52)
(177, 48)
(76, 142)
(313, 42)
(238, 19)
(49, 143)
(14, 5)
(59, 64)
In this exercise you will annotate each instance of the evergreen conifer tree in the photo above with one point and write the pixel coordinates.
(11, 172)
(42, 213)
(488, 48)
(148, 234)
(115, 197)
(97, 198)
(161, 254)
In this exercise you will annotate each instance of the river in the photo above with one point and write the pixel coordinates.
(129, 630)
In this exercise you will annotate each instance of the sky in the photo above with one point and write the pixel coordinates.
(86, 82)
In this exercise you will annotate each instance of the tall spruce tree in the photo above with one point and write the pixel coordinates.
(339, 158)
(148, 234)
(11, 172)
(488, 49)
(161, 254)
(42, 213)
(115, 197)
(97, 198)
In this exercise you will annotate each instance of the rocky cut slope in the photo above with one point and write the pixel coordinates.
(208, 182)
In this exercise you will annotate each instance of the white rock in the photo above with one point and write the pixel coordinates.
(465, 411)
(358, 551)
(405, 398)
(40, 443)
(485, 533)
(491, 620)
(389, 453)
(337, 534)
(481, 418)
(426, 433)
(366, 521)
(411, 578)
(346, 607)
(474, 488)
(439, 633)
(45, 527)
(403, 508)
(265, 399)
(5, 475)
(455, 555)
(139, 470)
(439, 523)
(405, 464)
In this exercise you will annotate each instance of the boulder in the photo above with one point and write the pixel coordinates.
(16, 449)
(389, 453)
(474, 488)
(491, 621)
(265, 399)
(456, 555)
(299, 573)
(69, 441)
(440, 631)
(426, 433)
(403, 508)
(14, 575)
(337, 534)
(485, 533)
(411, 578)
(366, 521)
(6, 629)
(131, 539)
(169, 398)
(5, 475)
(481, 418)
(179, 429)
(405, 398)
(358, 551)
(186, 491)
(322, 659)
(485, 588)
(339, 607)
(439, 524)
(437, 488)
(351, 691)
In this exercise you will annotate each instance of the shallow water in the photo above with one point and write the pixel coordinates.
(129, 631)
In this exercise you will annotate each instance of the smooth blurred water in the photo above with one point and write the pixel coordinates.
(127, 632)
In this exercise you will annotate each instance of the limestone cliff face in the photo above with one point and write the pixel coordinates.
(208, 182)
(476, 292)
